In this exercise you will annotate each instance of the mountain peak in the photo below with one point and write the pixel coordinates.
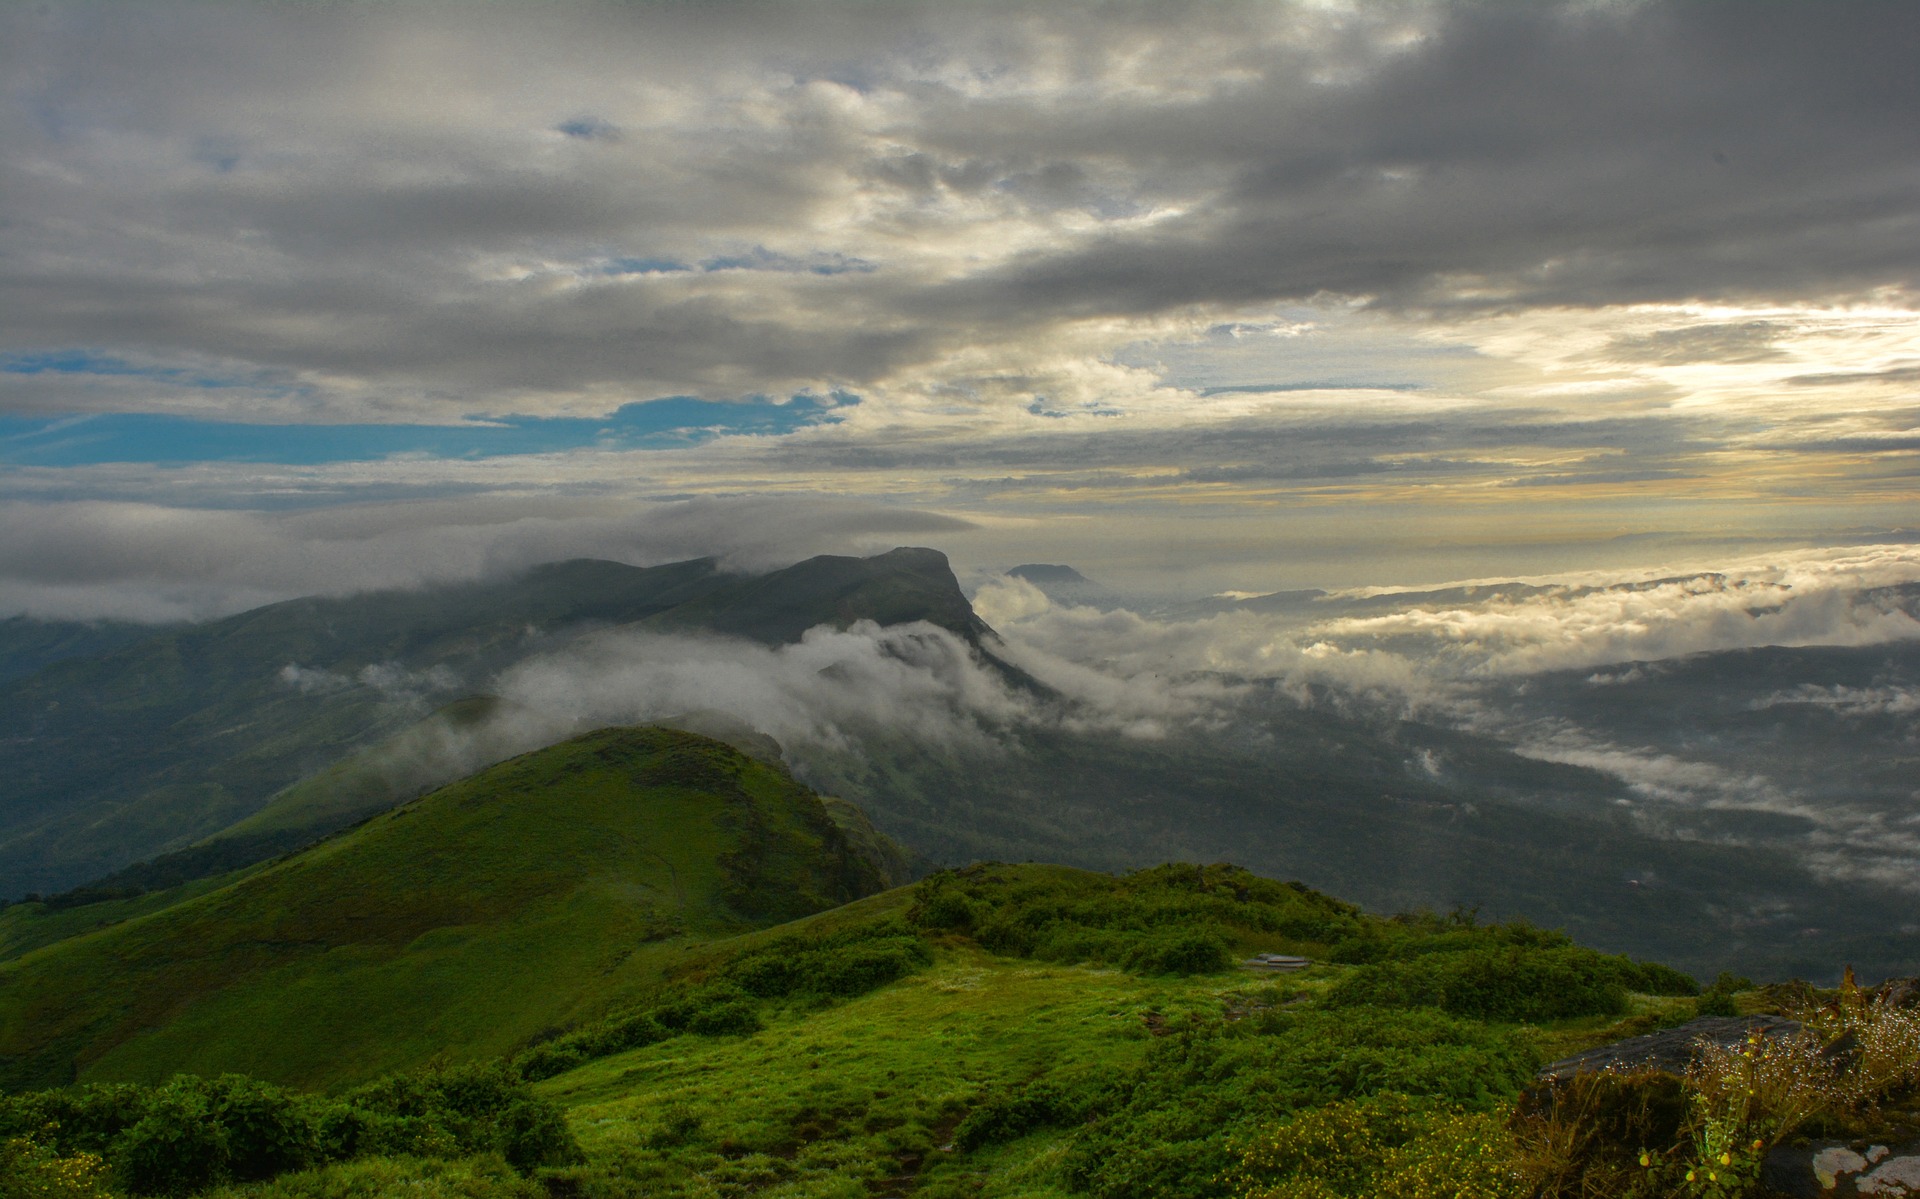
(1039, 573)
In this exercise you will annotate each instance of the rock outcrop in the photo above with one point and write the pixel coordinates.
(1670, 1049)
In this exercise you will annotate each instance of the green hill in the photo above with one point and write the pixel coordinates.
(461, 924)
(1039, 1031)
(115, 752)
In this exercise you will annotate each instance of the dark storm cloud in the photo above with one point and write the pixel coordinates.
(415, 207)
(1539, 154)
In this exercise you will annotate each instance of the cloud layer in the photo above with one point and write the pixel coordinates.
(344, 212)
(1290, 294)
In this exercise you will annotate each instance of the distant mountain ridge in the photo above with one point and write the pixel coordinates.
(144, 747)
(1065, 585)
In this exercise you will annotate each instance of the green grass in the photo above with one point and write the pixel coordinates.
(1035, 1042)
(534, 894)
(835, 1100)
(29, 926)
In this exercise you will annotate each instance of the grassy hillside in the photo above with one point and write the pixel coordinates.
(1039, 1031)
(462, 923)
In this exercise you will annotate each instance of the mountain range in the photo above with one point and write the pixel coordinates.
(147, 764)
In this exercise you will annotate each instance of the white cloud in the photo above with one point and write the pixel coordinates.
(1826, 597)
(829, 689)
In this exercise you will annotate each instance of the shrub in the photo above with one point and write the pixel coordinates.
(1717, 1000)
(947, 908)
(533, 1132)
(30, 1170)
(630, 1030)
(1174, 919)
(1201, 951)
(1060, 1098)
(1583, 1137)
(176, 1148)
(267, 1132)
(1384, 1145)
(840, 966)
(83, 1119)
(1510, 985)
(1177, 1124)
(193, 1133)
(725, 1018)
(717, 1010)
(1656, 979)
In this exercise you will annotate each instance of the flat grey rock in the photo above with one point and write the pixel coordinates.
(1670, 1049)
(1832, 1168)
(1899, 992)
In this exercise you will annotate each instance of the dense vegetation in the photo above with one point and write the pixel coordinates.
(194, 1133)
(1007, 1030)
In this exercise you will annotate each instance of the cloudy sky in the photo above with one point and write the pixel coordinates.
(1193, 296)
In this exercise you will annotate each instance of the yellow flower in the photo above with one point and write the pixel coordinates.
(1726, 1159)
(1646, 1159)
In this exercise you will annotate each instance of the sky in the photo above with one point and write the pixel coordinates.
(1197, 297)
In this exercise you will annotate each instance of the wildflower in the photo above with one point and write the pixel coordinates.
(1646, 1159)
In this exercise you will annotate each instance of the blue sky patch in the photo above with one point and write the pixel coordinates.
(173, 440)
(89, 362)
(587, 128)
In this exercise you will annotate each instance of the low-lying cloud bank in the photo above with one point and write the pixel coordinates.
(1460, 655)
(827, 691)
(1854, 596)
(1451, 657)
(1426, 645)
(127, 561)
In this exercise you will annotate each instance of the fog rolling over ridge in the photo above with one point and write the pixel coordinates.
(1629, 755)
(1712, 766)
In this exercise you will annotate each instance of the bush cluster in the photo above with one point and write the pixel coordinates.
(1177, 1124)
(717, 1010)
(1511, 973)
(30, 1170)
(192, 1133)
(1385, 1144)
(1059, 1099)
(1174, 919)
(836, 965)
